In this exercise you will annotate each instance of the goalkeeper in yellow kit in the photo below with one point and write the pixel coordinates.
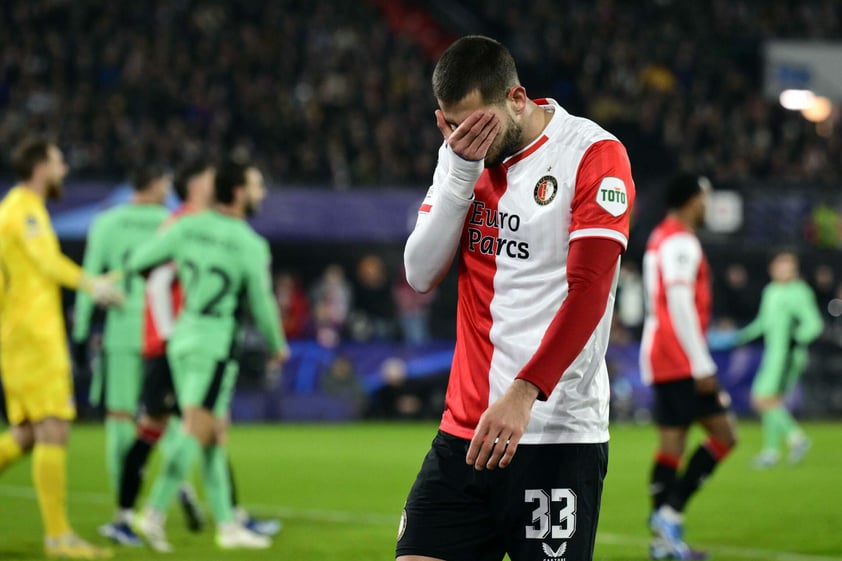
(34, 359)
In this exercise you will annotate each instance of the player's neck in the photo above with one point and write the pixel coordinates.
(141, 198)
(231, 210)
(536, 121)
(39, 189)
(684, 219)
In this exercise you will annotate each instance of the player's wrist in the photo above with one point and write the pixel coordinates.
(463, 174)
(525, 390)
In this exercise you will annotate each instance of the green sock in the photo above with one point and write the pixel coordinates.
(176, 464)
(774, 428)
(788, 424)
(218, 484)
(119, 437)
(170, 439)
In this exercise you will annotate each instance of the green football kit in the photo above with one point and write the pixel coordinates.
(113, 236)
(788, 321)
(223, 266)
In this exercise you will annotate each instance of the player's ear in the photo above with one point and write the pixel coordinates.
(517, 99)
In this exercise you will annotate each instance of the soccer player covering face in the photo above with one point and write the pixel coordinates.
(221, 262)
(535, 204)
(789, 320)
(34, 359)
(112, 237)
(675, 360)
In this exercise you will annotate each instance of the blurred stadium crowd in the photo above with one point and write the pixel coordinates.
(325, 92)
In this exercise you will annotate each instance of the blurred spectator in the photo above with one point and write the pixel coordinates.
(292, 305)
(630, 298)
(413, 310)
(824, 284)
(331, 298)
(825, 227)
(341, 381)
(401, 397)
(373, 315)
(735, 299)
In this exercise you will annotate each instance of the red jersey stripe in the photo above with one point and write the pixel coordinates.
(466, 401)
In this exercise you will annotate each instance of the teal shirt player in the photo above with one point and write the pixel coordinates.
(112, 237)
(221, 262)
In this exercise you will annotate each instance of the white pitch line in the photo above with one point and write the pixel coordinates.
(347, 517)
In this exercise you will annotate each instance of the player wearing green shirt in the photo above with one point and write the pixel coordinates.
(788, 321)
(111, 239)
(222, 265)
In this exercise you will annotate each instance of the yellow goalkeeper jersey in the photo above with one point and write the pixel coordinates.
(33, 340)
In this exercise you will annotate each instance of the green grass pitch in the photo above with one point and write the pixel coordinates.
(339, 490)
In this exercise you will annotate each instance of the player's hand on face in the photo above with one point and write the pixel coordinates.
(472, 138)
(707, 385)
(501, 427)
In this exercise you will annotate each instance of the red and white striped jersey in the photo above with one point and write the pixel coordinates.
(574, 181)
(162, 301)
(676, 277)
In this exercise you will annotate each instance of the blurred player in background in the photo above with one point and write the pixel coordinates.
(675, 360)
(114, 234)
(34, 358)
(536, 203)
(220, 261)
(788, 320)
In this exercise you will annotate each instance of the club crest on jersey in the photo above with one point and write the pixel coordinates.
(611, 195)
(545, 190)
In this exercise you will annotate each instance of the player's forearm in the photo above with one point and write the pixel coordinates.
(147, 256)
(83, 311)
(432, 245)
(62, 270)
(269, 324)
(592, 265)
(810, 323)
(688, 330)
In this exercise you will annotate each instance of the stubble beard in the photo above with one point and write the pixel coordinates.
(508, 145)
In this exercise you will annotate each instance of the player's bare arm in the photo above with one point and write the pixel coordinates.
(470, 139)
(501, 427)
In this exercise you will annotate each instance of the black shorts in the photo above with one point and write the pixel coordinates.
(544, 505)
(677, 404)
(158, 395)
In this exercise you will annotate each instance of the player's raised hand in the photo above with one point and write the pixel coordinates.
(501, 427)
(472, 138)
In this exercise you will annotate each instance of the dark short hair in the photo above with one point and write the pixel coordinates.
(29, 154)
(229, 176)
(141, 177)
(186, 174)
(681, 189)
(473, 63)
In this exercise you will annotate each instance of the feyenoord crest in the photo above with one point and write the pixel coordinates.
(545, 190)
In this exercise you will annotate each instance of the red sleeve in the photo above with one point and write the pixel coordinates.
(604, 194)
(591, 266)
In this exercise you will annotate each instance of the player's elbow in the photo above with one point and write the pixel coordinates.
(420, 283)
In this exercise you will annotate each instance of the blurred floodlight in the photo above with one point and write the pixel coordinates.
(819, 110)
(797, 100)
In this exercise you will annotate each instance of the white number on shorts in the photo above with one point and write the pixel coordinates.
(542, 517)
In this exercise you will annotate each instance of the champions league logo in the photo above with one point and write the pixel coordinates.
(545, 190)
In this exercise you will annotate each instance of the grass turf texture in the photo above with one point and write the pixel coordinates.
(339, 490)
